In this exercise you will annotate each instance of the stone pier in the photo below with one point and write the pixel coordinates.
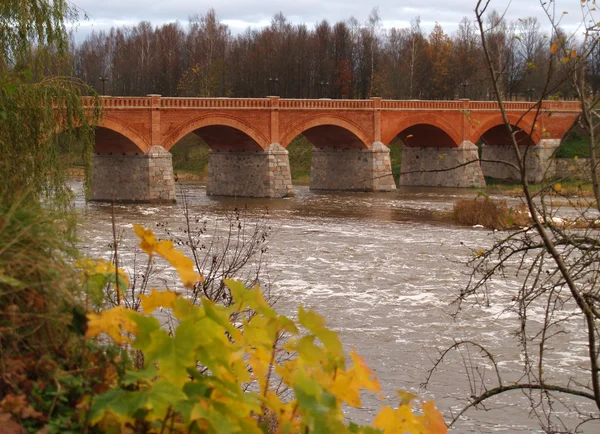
(538, 161)
(352, 169)
(250, 174)
(146, 178)
(433, 166)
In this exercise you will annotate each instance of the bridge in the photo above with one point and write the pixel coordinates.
(248, 140)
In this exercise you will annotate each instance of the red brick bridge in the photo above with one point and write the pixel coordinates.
(248, 137)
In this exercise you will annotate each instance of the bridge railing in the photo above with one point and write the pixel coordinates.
(325, 104)
(215, 102)
(420, 105)
(119, 101)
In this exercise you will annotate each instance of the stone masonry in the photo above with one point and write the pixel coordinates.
(538, 161)
(432, 167)
(146, 178)
(578, 168)
(250, 174)
(352, 169)
(248, 137)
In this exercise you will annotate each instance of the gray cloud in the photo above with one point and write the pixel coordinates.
(239, 14)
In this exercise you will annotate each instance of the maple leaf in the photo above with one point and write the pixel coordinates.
(111, 322)
(156, 299)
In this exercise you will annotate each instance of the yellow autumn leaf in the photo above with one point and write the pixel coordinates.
(165, 249)
(554, 48)
(366, 378)
(100, 266)
(557, 186)
(112, 322)
(156, 299)
(147, 239)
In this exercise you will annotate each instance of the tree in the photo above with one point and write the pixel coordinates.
(439, 53)
(556, 262)
(34, 107)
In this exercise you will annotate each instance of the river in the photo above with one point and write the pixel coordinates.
(384, 269)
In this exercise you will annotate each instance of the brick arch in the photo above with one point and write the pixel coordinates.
(425, 120)
(117, 127)
(515, 121)
(317, 122)
(216, 121)
(125, 131)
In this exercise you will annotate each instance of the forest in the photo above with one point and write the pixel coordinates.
(348, 59)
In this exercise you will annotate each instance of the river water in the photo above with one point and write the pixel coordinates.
(384, 269)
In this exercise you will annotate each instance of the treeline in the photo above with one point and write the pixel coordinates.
(348, 59)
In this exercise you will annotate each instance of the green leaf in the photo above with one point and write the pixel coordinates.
(146, 374)
(174, 354)
(162, 396)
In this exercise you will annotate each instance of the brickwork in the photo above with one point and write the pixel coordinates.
(250, 174)
(350, 135)
(146, 178)
(538, 161)
(441, 167)
(352, 169)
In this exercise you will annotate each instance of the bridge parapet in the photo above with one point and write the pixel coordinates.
(234, 103)
(330, 104)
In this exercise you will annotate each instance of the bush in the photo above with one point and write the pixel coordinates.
(47, 364)
(491, 213)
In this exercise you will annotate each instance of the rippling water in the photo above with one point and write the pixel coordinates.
(384, 270)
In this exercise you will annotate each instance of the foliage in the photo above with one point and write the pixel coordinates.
(574, 145)
(218, 370)
(345, 59)
(47, 364)
(33, 108)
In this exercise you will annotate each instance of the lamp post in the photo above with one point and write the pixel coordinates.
(464, 85)
(273, 83)
(530, 92)
(103, 80)
(324, 85)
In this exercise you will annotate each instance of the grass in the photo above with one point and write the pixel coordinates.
(569, 187)
(300, 159)
(396, 159)
(190, 157)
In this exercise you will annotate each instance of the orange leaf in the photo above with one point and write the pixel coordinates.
(435, 421)
(554, 48)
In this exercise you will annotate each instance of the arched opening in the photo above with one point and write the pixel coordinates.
(191, 151)
(426, 136)
(190, 157)
(322, 137)
(416, 136)
(109, 141)
(498, 158)
(499, 136)
(334, 137)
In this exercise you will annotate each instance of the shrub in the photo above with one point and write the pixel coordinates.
(491, 213)
(219, 370)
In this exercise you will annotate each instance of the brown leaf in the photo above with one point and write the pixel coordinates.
(8, 425)
(13, 403)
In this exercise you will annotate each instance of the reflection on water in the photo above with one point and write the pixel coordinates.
(384, 270)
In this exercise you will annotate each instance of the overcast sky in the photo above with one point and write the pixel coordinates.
(240, 14)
